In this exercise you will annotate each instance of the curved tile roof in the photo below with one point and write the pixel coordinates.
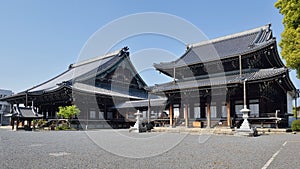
(80, 72)
(75, 71)
(26, 112)
(223, 47)
(233, 78)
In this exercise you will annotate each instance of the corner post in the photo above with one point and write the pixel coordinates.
(171, 114)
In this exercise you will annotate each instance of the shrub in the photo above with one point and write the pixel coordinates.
(63, 127)
(296, 125)
(41, 122)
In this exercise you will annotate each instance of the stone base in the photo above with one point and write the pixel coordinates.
(139, 129)
(245, 132)
(134, 129)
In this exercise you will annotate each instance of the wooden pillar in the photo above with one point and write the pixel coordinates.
(171, 115)
(29, 123)
(149, 110)
(12, 123)
(17, 126)
(208, 116)
(228, 113)
(186, 114)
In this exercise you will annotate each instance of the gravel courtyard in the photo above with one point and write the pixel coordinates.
(121, 149)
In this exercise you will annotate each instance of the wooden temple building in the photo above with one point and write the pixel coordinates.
(207, 89)
(93, 85)
(207, 86)
(209, 76)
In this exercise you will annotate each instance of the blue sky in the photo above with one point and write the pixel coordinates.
(39, 39)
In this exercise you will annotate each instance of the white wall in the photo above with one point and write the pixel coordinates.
(289, 102)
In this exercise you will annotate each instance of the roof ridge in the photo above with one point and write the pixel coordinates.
(231, 36)
(94, 59)
(71, 67)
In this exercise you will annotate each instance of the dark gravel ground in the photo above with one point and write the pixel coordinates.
(120, 149)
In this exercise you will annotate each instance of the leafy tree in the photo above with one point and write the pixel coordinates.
(290, 37)
(294, 111)
(296, 125)
(68, 112)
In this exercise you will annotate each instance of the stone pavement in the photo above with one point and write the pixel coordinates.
(121, 149)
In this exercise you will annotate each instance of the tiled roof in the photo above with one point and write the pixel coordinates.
(223, 47)
(80, 73)
(26, 112)
(76, 71)
(228, 78)
(143, 103)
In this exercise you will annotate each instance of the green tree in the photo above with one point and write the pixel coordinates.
(296, 125)
(68, 112)
(290, 37)
(294, 111)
